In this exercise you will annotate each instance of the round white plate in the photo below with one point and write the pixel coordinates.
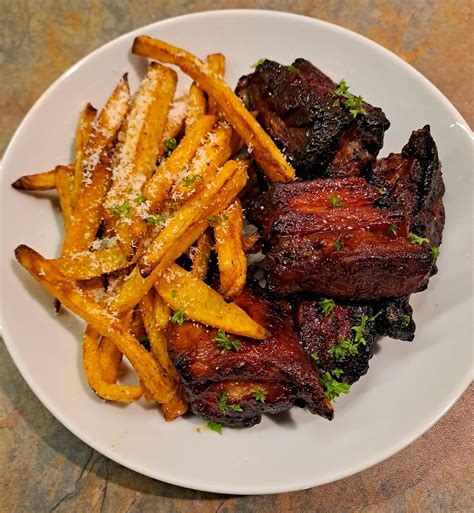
(409, 385)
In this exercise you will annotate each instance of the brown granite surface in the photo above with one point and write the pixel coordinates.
(43, 467)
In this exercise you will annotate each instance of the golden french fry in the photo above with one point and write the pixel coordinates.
(38, 182)
(230, 254)
(142, 146)
(263, 149)
(180, 231)
(83, 132)
(64, 184)
(183, 292)
(250, 241)
(156, 337)
(88, 212)
(159, 186)
(100, 319)
(176, 407)
(110, 359)
(93, 370)
(200, 265)
(90, 264)
(176, 117)
(215, 150)
(216, 62)
(196, 108)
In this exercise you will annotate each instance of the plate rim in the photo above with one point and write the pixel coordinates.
(391, 450)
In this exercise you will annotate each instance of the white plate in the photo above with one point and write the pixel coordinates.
(409, 385)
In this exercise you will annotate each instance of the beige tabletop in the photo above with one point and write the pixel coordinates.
(43, 467)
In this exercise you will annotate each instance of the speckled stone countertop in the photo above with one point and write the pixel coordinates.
(43, 467)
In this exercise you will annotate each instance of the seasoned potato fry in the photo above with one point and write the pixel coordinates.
(110, 359)
(153, 375)
(230, 254)
(38, 182)
(179, 232)
(182, 291)
(155, 336)
(215, 61)
(90, 264)
(196, 108)
(215, 150)
(83, 132)
(93, 370)
(263, 149)
(176, 117)
(176, 407)
(88, 212)
(64, 185)
(142, 146)
(200, 265)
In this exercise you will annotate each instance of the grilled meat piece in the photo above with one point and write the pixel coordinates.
(414, 183)
(278, 361)
(295, 105)
(328, 237)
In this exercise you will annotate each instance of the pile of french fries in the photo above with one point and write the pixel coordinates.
(153, 179)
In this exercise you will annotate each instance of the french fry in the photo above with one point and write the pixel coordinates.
(191, 220)
(263, 149)
(182, 291)
(200, 265)
(176, 407)
(88, 212)
(161, 312)
(39, 182)
(216, 62)
(142, 146)
(93, 370)
(110, 359)
(153, 375)
(196, 108)
(155, 335)
(230, 254)
(90, 264)
(83, 132)
(64, 184)
(176, 117)
(215, 150)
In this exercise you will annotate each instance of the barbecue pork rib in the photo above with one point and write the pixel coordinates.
(329, 237)
(296, 106)
(277, 366)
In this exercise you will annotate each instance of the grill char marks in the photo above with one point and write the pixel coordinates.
(297, 110)
(279, 363)
(352, 251)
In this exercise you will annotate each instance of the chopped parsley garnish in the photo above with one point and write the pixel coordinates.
(155, 219)
(139, 199)
(224, 407)
(359, 330)
(406, 319)
(259, 396)
(170, 145)
(434, 252)
(123, 210)
(327, 306)
(315, 356)
(292, 69)
(179, 316)
(339, 245)
(216, 219)
(383, 191)
(174, 293)
(392, 229)
(337, 373)
(224, 343)
(332, 387)
(353, 104)
(189, 180)
(336, 201)
(215, 426)
(258, 63)
(414, 239)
